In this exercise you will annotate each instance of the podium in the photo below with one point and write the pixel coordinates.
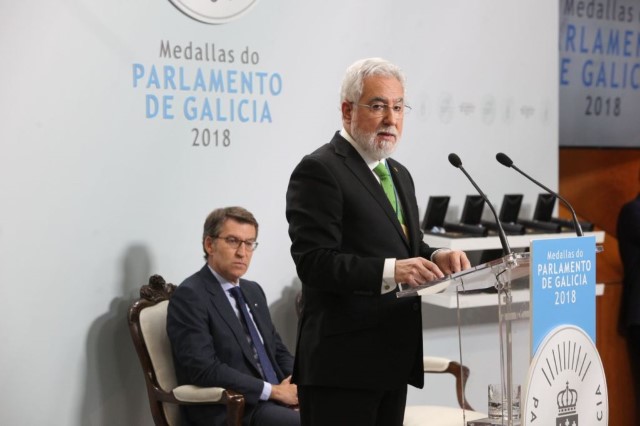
(551, 391)
(499, 274)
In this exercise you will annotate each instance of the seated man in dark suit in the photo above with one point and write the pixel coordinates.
(221, 331)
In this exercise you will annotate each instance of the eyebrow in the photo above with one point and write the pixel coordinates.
(384, 100)
(238, 238)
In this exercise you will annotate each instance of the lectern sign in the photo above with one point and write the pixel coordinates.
(566, 385)
(566, 382)
(563, 286)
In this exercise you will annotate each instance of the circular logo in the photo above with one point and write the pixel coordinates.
(566, 384)
(424, 108)
(545, 115)
(488, 108)
(214, 11)
(445, 108)
(508, 112)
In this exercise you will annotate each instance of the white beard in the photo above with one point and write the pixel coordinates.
(367, 141)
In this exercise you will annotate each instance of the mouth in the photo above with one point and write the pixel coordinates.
(388, 136)
(387, 132)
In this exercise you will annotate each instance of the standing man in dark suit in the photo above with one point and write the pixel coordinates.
(212, 342)
(629, 244)
(354, 227)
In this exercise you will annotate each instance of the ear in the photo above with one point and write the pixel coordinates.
(347, 112)
(209, 245)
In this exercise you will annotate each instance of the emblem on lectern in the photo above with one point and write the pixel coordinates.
(566, 381)
(567, 414)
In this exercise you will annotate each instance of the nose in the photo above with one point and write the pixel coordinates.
(390, 117)
(241, 251)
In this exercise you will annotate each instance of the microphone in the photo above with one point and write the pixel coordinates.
(507, 162)
(457, 163)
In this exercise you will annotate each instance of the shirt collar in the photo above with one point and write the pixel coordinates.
(225, 283)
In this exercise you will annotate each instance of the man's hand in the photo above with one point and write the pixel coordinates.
(285, 393)
(451, 261)
(416, 271)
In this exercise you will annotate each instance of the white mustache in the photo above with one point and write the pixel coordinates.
(390, 130)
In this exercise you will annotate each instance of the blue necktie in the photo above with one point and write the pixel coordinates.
(267, 368)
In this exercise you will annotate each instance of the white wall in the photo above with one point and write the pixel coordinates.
(95, 196)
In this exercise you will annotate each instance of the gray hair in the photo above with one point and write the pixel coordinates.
(352, 83)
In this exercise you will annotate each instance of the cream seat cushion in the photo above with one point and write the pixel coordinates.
(433, 415)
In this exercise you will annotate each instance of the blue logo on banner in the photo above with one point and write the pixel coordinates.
(563, 286)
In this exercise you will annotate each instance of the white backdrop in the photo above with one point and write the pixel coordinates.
(95, 195)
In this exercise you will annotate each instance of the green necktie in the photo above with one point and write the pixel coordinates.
(387, 185)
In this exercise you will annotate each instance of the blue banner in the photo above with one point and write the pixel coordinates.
(563, 286)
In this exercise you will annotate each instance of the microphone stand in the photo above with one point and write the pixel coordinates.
(507, 162)
(503, 285)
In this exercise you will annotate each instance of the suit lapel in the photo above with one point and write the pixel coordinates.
(403, 187)
(361, 171)
(221, 302)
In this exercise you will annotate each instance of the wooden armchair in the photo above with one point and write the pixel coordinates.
(419, 415)
(147, 323)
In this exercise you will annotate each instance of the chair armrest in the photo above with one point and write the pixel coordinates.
(190, 394)
(434, 364)
(437, 365)
(197, 394)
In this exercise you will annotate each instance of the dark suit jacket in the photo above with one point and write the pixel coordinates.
(210, 347)
(629, 243)
(342, 228)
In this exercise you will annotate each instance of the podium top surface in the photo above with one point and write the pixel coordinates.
(493, 242)
(503, 269)
(509, 267)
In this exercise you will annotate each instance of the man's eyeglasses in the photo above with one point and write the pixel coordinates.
(235, 243)
(379, 109)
